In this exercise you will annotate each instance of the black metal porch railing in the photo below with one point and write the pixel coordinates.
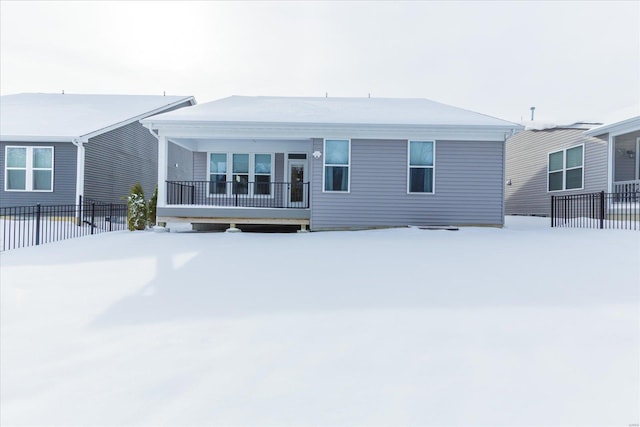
(22, 226)
(290, 195)
(597, 210)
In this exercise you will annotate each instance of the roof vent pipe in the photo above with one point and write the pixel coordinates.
(533, 109)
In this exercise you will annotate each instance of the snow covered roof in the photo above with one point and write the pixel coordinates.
(378, 111)
(541, 125)
(623, 126)
(63, 117)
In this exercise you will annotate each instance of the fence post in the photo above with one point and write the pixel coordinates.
(602, 198)
(93, 216)
(79, 210)
(37, 224)
(110, 215)
(553, 210)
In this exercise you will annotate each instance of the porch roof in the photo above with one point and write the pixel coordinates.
(617, 128)
(309, 110)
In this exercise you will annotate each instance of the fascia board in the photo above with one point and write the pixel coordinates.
(137, 118)
(333, 130)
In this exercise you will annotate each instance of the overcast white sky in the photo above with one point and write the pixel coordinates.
(572, 60)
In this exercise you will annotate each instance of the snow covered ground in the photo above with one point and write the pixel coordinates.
(524, 325)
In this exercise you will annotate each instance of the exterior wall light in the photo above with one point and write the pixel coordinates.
(316, 154)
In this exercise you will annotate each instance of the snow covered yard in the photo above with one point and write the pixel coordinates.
(521, 326)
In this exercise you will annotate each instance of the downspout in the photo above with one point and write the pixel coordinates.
(79, 143)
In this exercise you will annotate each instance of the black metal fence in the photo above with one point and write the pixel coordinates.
(597, 210)
(239, 193)
(22, 226)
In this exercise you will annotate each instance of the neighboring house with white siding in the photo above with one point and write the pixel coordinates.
(57, 147)
(566, 160)
(330, 163)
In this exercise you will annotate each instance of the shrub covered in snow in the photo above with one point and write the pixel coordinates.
(153, 202)
(137, 211)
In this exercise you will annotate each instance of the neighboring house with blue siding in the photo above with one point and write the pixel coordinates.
(568, 160)
(55, 148)
(330, 163)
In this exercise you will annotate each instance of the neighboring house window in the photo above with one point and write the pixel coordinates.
(566, 169)
(421, 163)
(337, 158)
(243, 169)
(29, 168)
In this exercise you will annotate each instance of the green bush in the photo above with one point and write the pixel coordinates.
(152, 206)
(137, 208)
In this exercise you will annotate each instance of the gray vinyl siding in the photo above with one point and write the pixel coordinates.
(116, 160)
(624, 166)
(64, 177)
(180, 164)
(527, 165)
(468, 187)
(200, 166)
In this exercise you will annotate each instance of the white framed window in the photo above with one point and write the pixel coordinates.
(565, 169)
(28, 168)
(337, 165)
(241, 173)
(421, 165)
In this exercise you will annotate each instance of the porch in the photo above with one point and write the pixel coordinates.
(631, 186)
(236, 203)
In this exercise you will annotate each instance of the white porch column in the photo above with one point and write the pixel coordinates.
(611, 161)
(79, 168)
(162, 171)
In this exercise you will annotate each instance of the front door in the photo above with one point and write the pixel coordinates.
(297, 189)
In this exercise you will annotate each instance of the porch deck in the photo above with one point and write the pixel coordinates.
(238, 202)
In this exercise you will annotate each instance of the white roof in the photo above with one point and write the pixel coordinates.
(380, 111)
(62, 117)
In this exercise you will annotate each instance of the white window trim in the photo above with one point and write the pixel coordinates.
(433, 167)
(252, 169)
(324, 166)
(565, 169)
(28, 168)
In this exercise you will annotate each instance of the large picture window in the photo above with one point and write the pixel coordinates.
(337, 160)
(28, 168)
(421, 164)
(240, 173)
(566, 170)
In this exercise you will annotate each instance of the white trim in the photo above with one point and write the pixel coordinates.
(324, 165)
(28, 169)
(432, 167)
(565, 169)
(248, 130)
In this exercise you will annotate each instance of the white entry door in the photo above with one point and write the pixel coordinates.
(298, 191)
